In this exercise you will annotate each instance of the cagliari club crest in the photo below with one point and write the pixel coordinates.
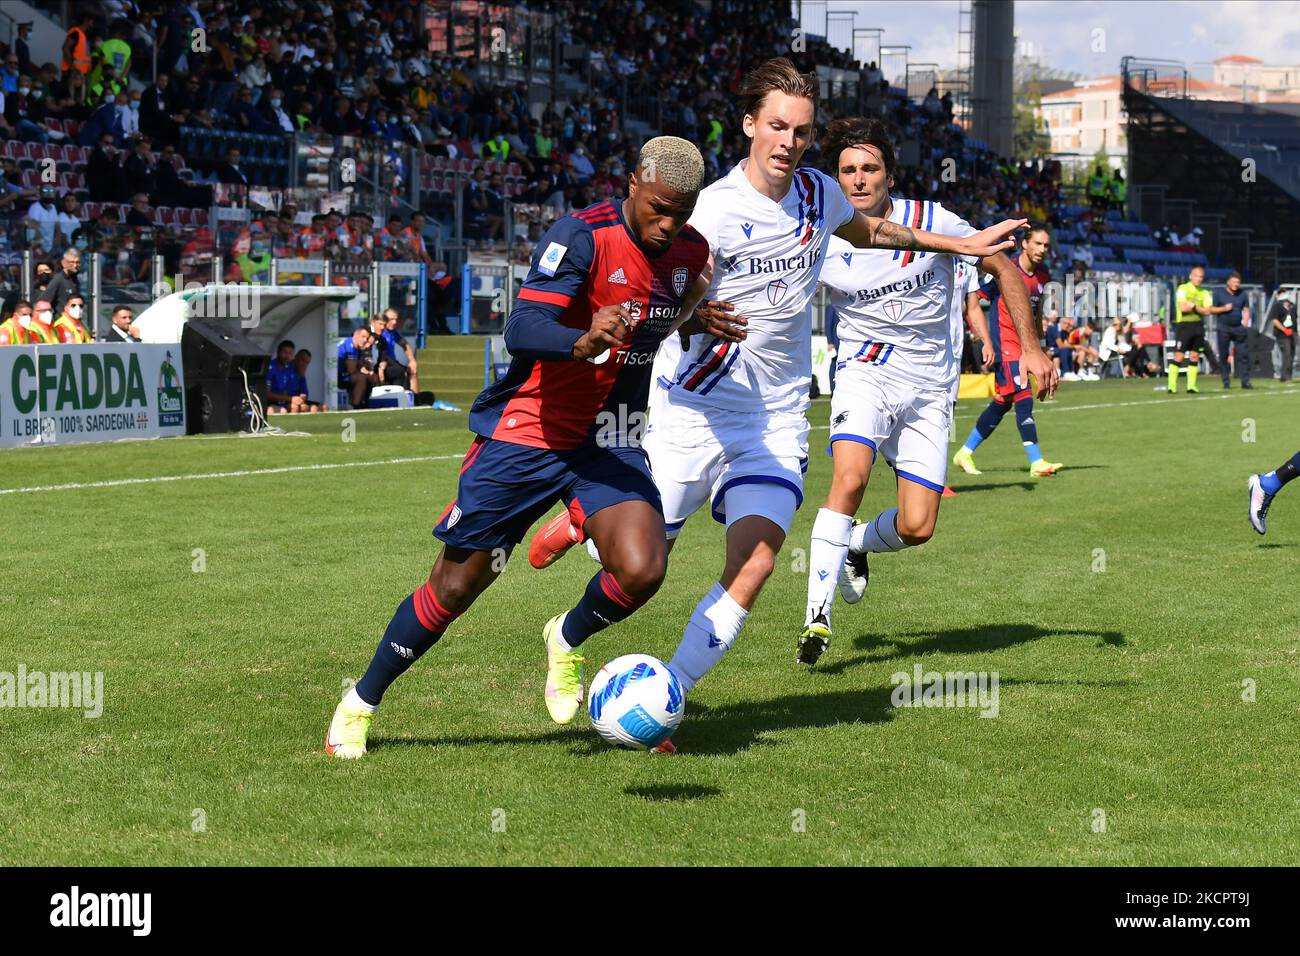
(679, 281)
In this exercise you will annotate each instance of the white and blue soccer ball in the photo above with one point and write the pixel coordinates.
(636, 702)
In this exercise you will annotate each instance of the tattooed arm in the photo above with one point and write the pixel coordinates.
(869, 232)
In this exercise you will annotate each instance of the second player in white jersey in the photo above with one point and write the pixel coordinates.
(897, 371)
(897, 305)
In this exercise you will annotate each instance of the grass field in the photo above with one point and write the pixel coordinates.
(1122, 604)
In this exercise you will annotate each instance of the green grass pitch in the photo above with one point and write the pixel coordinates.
(1126, 606)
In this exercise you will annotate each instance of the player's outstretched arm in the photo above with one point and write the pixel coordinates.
(869, 232)
(1033, 360)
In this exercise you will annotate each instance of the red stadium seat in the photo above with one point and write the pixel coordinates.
(72, 128)
(54, 124)
(514, 169)
(31, 179)
(200, 217)
(90, 210)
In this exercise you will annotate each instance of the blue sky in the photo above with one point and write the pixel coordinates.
(1061, 31)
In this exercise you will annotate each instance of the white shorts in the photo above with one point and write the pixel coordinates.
(906, 425)
(696, 458)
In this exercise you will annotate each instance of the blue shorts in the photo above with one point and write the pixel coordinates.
(504, 488)
(1006, 378)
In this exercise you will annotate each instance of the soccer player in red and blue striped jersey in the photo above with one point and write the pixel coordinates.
(607, 284)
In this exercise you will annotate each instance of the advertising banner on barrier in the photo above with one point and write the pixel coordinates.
(59, 394)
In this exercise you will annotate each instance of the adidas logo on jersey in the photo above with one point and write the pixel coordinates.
(617, 277)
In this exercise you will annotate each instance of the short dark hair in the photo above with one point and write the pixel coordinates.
(846, 133)
(283, 344)
(1234, 274)
(775, 75)
(1037, 226)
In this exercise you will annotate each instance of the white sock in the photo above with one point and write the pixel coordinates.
(354, 702)
(878, 534)
(713, 627)
(830, 546)
(559, 636)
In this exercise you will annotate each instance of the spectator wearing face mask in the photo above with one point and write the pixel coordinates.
(13, 330)
(273, 113)
(68, 326)
(44, 273)
(580, 163)
(25, 114)
(41, 329)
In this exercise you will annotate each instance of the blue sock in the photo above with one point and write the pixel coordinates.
(987, 422)
(416, 626)
(1028, 429)
(603, 603)
(1274, 480)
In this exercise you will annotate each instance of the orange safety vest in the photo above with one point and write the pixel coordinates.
(76, 332)
(17, 334)
(80, 52)
(38, 333)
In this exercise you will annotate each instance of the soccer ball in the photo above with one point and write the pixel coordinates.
(636, 702)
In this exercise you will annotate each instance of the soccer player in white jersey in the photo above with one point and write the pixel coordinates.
(897, 369)
(729, 428)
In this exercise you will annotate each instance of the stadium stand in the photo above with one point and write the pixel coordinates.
(432, 120)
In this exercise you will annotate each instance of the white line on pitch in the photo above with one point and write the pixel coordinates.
(76, 486)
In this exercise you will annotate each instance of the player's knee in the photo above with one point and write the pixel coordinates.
(849, 482)
(914, 531)
(454, 594)
(641, 577)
